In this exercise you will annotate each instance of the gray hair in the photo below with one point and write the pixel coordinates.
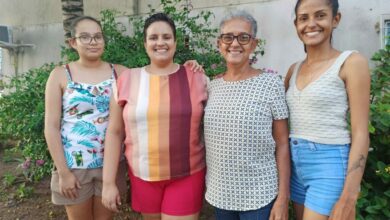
(240, 14)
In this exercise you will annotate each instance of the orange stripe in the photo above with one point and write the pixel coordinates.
(153, 128)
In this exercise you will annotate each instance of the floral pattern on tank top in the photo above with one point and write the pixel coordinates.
(85, 109)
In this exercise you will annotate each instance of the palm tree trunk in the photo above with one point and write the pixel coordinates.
(70, 10)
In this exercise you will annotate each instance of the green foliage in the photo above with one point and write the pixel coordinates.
(374, 201)
(195, 39)
(22, 117)
(8, 179)
(24, 191)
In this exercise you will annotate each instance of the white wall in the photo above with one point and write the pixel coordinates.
(275, 17)
(47, 40)
(283, 47)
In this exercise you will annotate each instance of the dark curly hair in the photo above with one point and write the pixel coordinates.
(159, 17)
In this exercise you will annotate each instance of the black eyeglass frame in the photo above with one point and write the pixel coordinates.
(236, 37)
(90, 38)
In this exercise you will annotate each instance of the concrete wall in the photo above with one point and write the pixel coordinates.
(39, 22)
(33, 12)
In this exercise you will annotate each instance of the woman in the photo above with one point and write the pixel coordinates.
(245, 123)
(158, 111)
(327, 158)
(76, 118)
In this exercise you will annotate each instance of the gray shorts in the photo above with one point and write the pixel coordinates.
(91, 181)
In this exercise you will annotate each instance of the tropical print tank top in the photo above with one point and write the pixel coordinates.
(85, 109)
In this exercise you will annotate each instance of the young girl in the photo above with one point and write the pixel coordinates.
(328, 158)
(158, 110)
(76, 118)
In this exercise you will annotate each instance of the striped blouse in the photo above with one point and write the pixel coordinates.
(162, 116)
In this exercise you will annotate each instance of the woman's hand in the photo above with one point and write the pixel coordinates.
(344, 209)
(69, 185)
(279, 210)
(110, 197)
(195, 66)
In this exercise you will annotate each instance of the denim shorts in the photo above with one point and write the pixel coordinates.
(318, 173)
(258, 214)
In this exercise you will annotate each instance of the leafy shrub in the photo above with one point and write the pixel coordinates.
(374, 201)
(22, 118)
(24, 191)
(8, 179)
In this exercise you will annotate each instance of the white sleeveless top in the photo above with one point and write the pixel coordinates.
(318, 112)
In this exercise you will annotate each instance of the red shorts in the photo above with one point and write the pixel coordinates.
(178, 197)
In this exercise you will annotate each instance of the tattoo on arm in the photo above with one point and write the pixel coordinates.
(359, 164)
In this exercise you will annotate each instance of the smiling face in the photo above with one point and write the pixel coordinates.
(315, 22)
(84, 29)
(236, 53)
(160, 43)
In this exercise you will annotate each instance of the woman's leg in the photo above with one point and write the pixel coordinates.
(99, 211)
(148, 216)
(186, 217)
(82, 211)
(298, 210)
(309, 214)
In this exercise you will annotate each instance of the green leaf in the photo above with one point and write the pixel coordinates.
(387, 193)
(386, 211)
(381, 166)
(371, 128)
(381, 202)
(372, 210)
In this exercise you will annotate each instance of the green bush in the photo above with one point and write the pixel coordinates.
(374, 201)
(22, 119)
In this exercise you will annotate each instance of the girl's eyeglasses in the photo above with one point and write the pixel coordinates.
(87, 39)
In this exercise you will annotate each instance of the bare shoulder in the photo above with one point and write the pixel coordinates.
(57, 80)
(355, 65)
(356, 59)
(120, 69)
(58, 75)
(290, 71)
(288, 75)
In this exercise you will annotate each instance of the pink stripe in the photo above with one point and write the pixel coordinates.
(198, 84)
(131, 141)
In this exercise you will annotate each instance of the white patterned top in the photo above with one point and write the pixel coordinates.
(318, 113)
(240, 149)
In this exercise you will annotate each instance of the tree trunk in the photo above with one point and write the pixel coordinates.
(70, 10)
